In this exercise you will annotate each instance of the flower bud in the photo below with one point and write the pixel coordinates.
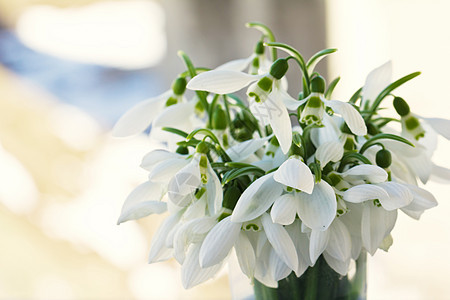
(219, 118)
(318, 85)
(401, 106)
(259, 48)
(179, 86)
(279, 68)
(182, 150)
(202, 147)
(383, 158)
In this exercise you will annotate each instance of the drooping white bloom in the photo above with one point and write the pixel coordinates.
(268, 99)
(143, 201)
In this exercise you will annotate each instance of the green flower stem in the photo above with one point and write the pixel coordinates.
(267, 33)
(192, 73)
(299, 59)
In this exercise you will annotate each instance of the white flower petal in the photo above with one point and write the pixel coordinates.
(278, 268)
(280, 241)
(262, 268)
(193, 231)
(157, 156)
(399, 195)
(296, 174)
(329, 151)
(365, 192)
(256, 199)
(289, 102)
(341, 267)
(245, 255)
(422, 200)
(158, 249)
(351, 116)
(196, 209)
(284, 210)
(317, 210)
(191, 272)
(279, 120)
(376, 81)
(139, 117)
(441, 126)
(440, 174)
(371, 173)
(339, 243)
(318, 241)
(237, 65)
(242, 151)
(175, 115)
(330, 132)
(421, 165)
(142, 209)
(165, 170)
(141, 202)
(219, 242)
(183, 185)
(221, 81)
(377, 223)
(214, 192)
(301, 243)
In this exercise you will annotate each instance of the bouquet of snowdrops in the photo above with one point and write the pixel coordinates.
(283, 182)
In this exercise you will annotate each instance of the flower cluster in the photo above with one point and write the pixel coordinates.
(281, 180)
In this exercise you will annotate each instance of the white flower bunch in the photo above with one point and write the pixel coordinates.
(281, 180)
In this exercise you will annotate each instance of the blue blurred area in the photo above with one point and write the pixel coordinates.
(105, 93)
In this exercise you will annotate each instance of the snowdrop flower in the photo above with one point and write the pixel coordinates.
(144, 200)
(381, 201)
(315, 203)
(193, 181)
(268, 98)
(334, 243)
(315, 105)
(258, 62)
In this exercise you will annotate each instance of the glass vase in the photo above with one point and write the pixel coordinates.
(320, 282)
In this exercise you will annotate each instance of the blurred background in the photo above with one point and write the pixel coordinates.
(69, 69)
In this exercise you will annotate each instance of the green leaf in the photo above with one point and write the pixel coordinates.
(388, 90)
(206, 132)
(355, 96)
(318, 56)
(233, 174)
(331, 87)
(350, 157)
(380, 136)
(175, 131)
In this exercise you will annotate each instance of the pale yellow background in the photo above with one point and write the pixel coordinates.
(66, 178)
